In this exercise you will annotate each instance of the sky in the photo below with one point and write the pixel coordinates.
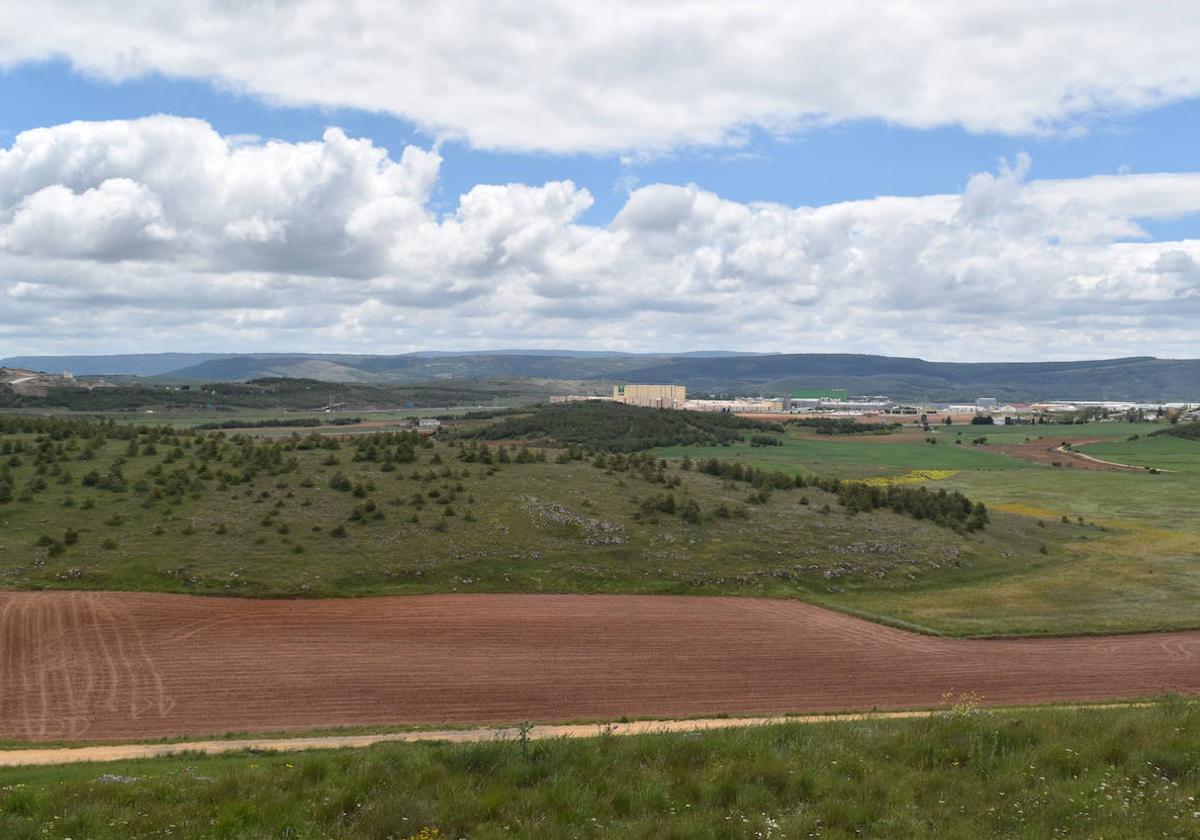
(959, 180)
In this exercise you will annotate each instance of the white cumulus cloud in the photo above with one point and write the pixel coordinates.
(162, 233)
(563, 75)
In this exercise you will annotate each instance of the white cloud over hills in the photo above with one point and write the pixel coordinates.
(566, 76)
(160, 233)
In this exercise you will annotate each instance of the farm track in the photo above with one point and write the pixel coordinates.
(1042, 451)
(127, 752)
(81, 666)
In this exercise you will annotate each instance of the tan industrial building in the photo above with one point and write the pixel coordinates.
(651, 396)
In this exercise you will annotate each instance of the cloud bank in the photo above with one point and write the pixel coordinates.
(565, 76)
(161, 233)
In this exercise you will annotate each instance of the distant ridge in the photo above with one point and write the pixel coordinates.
(132, 364)
(157, 364)
(1140, 378)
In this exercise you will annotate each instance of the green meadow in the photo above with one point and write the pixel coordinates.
(1130, 560)
(868, 455)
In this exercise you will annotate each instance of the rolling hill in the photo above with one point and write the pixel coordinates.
(132, 364)
(1141, 378)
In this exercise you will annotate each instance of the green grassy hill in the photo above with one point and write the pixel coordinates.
(106, 506)
(1120, 774)
(102, 506)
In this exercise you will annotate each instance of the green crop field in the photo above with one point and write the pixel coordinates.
(1140, 573)
(1130, 564)
(855, 457)
(1117, 773)
(862, 456)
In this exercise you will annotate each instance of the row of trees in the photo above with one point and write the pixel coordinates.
(614, 427)
(948, 509)
(1188, 431)
(843, 426)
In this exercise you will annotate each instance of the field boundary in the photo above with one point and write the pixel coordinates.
(537, 732)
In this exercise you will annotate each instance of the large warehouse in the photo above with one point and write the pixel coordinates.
(651, 396)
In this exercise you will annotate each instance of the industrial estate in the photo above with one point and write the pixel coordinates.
(838, 403)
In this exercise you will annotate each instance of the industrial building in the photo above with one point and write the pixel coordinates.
(818, 394)
(651, 396)
(745, 406)
(573, 398)
(853, 405)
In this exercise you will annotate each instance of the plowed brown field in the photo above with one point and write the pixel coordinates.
(124, 665)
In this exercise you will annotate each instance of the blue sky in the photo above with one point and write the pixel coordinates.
(846, 162)
(730, 169)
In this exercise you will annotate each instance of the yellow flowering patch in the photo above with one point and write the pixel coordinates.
(910, 477)
(427, 834)
(1147, 531)
(1025, 510)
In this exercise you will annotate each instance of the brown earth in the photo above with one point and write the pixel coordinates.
(1046, 451)
(79, 665)
(908, 421)
(905, 420)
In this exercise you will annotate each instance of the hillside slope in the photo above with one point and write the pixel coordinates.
(1137, 378)
(1141, 378)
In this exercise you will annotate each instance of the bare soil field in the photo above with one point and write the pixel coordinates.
(77, 665)
(1047, 451)
(906, 420)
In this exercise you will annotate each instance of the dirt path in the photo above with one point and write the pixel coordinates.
(110, 666)
(1046, 450)
(124, 752)
(1093, 459)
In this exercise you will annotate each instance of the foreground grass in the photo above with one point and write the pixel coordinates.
(1112, 773)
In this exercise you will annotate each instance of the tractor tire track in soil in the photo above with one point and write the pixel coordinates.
(76, 666)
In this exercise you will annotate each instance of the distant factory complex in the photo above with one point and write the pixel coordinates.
(838, 402)
(675, 397)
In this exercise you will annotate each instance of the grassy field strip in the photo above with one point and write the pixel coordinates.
(125, 752)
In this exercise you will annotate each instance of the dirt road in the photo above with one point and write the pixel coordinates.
(79, 666)
(1045, 450)
(125, 752)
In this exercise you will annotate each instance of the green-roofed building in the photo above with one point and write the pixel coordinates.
(820, 394)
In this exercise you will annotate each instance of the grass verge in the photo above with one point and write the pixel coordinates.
(1089, 772)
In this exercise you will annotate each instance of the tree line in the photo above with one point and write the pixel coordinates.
(614, 427)
(948, 509)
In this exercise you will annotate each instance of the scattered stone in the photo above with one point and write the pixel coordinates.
(596, 531)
